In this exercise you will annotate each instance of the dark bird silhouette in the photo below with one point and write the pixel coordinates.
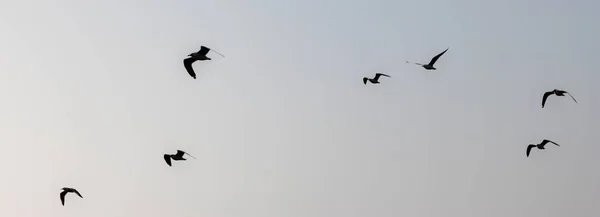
(429, 66)
(555, 92)
(539, 146)
(198, 56)
(374, 80)
(65, 191)
(178, 156)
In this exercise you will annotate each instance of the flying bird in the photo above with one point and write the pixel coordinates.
(374, 80)
(198, 56)
(65, 191)
(178, 156)
(429, 66)
(555, 92)
(539, 146)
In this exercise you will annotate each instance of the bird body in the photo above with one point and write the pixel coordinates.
(539, 146)
(429, 66)
(177, 157)
(199, 56)
(65, 191)
(556, 92)
(374, 80)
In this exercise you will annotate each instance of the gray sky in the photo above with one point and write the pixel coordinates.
(94, 92)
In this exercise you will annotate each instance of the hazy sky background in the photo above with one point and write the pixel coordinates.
(94, 93)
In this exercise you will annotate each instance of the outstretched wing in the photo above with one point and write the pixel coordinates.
(365, 80)
(190, 155)
(435, 58)
(546, 97)
(218, 53)
(572, 97)
(62, 197)
(377, 75)
(167, 159)
(77, 192)
(414, 63)
(529, 149)
(203, 50)
(548, 141)
(188, 66)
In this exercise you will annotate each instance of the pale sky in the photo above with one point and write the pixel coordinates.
(94, 93)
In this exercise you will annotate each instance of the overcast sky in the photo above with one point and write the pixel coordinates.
(93, 93)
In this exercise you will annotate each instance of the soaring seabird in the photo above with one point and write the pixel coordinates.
(374, 80)
(555, 92)
(178, 156)
(198, 56)
(65, 191)
(539, 146)
(429, 66)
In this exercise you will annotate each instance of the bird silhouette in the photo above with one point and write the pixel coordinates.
(178, 156)
(198, 56)
(65, 191)
(555, 92)
(429, 66)
(539, 146)
(374, 80)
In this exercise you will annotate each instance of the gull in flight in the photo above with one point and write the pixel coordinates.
(198, 56)
(374, 80)
(65, 191)
(429, 66)
(555, 92)
(539, 146)
(178, 156)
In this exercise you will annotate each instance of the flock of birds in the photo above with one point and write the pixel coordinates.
(429, 66)
(201, 55)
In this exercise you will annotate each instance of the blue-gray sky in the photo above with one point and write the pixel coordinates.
(94, 92)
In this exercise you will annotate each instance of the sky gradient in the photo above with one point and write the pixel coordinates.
(94, 93)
